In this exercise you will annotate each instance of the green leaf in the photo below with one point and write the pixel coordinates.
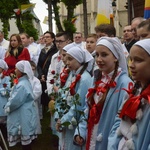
(66, 124)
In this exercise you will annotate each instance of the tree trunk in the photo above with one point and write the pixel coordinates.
(50, 15)
(57, 19)
(19, 24)
(85, 18)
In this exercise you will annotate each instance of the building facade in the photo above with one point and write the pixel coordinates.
(120, 16)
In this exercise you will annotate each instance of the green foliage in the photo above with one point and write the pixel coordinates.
(27, 24)
(69, 27)
(23, 22)
(70, 6)
(6, 12)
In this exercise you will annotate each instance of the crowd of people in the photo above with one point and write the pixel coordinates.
(96, 89)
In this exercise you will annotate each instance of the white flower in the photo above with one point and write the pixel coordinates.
(130, 145)
(7, 110)
(139, 114)
(99, 137)
(70, 127)
(73, 121)
(134, 129)
(118, 131)
(86, 111)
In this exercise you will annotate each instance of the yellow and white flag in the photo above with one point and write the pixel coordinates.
(104, 11)
(45, 21)
(27, 7)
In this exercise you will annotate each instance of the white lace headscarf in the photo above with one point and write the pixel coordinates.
(115, 46)
(3, 64)
(145, 44)
(82, 56)
(25, 67)
(68, 46)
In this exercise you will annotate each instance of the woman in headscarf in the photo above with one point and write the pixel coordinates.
(79, 62)
(21, 109)
(105, 98)
(134, 130)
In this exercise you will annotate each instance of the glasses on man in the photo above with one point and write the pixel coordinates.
(77, 37)
(59, 41)
(47, 36)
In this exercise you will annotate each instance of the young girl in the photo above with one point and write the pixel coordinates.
(79, 61)
(37, 91)
(22, 113)
(134, 130)
(105, 98)
(4, 95)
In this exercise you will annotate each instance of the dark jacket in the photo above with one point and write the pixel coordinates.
(45, 57)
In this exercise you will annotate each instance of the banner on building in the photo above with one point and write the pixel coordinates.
(104, 11)
(147, 9)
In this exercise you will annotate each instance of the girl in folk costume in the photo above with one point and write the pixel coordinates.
(79, 61)
(134, 130)
(37, 91)
(4, 95)
(105, 98)
(21, 109)
(64, 74)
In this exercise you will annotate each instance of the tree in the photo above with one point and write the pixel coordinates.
(85, 18)
(70, 6)
(6, 12)
(23, 21)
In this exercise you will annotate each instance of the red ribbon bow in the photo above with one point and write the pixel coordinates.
(63, 76)
(94, 116)
(16, 81)
(73, 84)
(59, 58)
(132, 104)
(107, 85)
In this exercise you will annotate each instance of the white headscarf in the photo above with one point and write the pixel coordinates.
(82, 56)
(68, 46)
(3, 64)
(145, 44)
(115, 46)
(25, 67)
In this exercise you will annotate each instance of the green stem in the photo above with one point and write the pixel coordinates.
(77, 123)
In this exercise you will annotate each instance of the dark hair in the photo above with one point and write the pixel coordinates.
(145, 24)
(98, 77)
(51, 33)
(52, 36)
(32, 63)
(65, 34)
(106, 28)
